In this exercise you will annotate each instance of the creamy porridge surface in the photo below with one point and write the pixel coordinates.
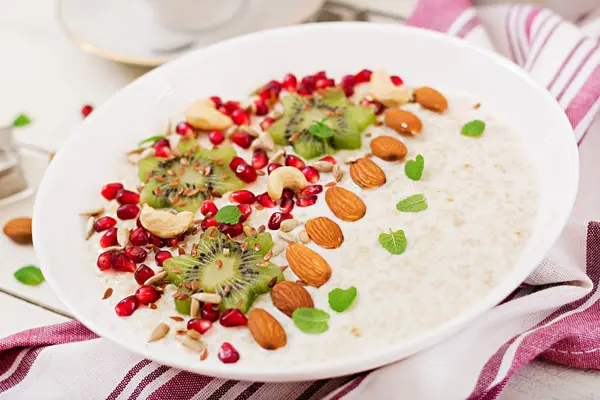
(482, 197)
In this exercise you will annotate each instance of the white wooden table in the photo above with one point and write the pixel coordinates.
(49, 78)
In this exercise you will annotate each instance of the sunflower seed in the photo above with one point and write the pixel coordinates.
(337, 173)
(278, 248)
(303, 236)
(249, 131)
(287, 237)
(196, 345)
(323, 166)
(123, 236)
(92, 212)
(249, 231)
(207, 298)
(159, 332)
(112, 248)
(277, 156)
(133, 158)
(156, 278)
(194, 334)
(194, 308)
(89, 228)
(149, 152)
(204, 354)
(288, 225)
(349, 160)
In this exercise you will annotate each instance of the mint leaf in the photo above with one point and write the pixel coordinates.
(21, 120)
(414, 203)
(150, 140)
(414, 168)
(310, 320)
(394, 242)
(228, 215)
(29, 275)
(474, 128)
(340, 300)
(320, 130)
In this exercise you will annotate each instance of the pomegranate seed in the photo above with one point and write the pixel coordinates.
(329, 159)
(240, 117)
(200, 325)
(86, 110)
(273, 167)
(306, 201)
(161, 143)
(304, 90)
(103, 262)
(104, 223)
(228, 354)
(246, 210)
(348, 80)
(396, 80)
(311, 174)
(136, 254)
(128, 211)
(275, 86)
(216, 137)
(286, 205)
(183, 128)
(109, 191)
(246, 173)
(320, 75)
(208, 222)
(308, 82)
(311, 190)
(268, 94)
(156, 241)
(224, 110)
(172, 242)
(259, 159)
(139, 237)
(128, 197)
(242, 197)
(266, 123)
(233, 317)
(120, 262)
(348, 90)
(293, 161)
(231, 230)
(276, 220)
(109, 238)
(147, 295)
(209, 312)
(290, 82)
(261, 107)
(265, 200)
(235, 161)
(363, 76)
(163, 152)
(377, 106)
(127, 306)
(231, 106)
(287, 194)
(216, 100)
(208, 207)
(324, 83)
(142, 274)
(161, 257)
(242, 139)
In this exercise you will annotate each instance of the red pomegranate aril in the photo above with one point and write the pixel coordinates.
(161, 143)
(216, 100)
(293, 161)
(287, 205)
(232, 230)
(86, 110)
(216, 137)
(246, 173)
(311, 190)
(305, 90)
(103, 261)
(363, 76)
(261, 107)
(142, 274)
(109, 238)
(311, 174)
(259, 159)
(242, 197)
(242, 139)
(139, 237)
(233, 317)
(265, 200)
(156, 241)
(128, 197)
(228, 354)
(163, 152)
(377, 106)
(136, 254)
(274, 86)
(324, 83)
(208, 222)
(104, 223)
(246, 210)
(308, 82)
(306, 201)
(147, 295)
(287, 193)
(290, 82)
(224, 110)
(277, 218)
(396, 80)
(183, 129)
(208, 207)
(172, 242)
(128, 211)
(210, 312)
(161, 257)
(320, 75)
(127, 306)
(348, 80)
(266, 123)
(240, 117)
(235, 161)
(120, 262)
(329, 159)
(273, 167)
(109, 191)
(231, 106)
(200, 325)
(268, 94)
(348, 90)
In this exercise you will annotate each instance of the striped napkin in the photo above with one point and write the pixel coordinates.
(552, 316)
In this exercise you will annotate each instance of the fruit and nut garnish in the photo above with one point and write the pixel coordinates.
(213, 218)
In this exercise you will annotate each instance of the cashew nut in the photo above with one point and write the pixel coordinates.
(264, 141)
(164, 224)
(383, 90)
(285, 177)
(202, 114)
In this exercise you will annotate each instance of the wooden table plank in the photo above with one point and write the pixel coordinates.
(23, 316)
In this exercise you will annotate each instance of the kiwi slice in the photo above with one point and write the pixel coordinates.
(346, 120)
(188, 178)
(235, 270)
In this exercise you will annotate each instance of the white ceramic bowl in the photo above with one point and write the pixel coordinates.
(231, 69)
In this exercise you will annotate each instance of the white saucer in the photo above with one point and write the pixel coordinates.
(125, 31)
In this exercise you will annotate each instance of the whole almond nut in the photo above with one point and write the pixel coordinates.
(19, 230)
(266, 330)
(402, 121)
(366, 174)
(388, 148)
(344, 204)
(287, 296)
(308, 265)
(324, 232)
(431, 99)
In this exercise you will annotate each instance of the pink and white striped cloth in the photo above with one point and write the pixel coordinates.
(553, 316)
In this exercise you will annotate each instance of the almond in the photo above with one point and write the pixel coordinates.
(287, 296)
(344, 204)
(308, 265)
(19, 230)
(388, 148)
(366, 174)
(431, 99)
(402, 121)
(266, 330)
(324, 232)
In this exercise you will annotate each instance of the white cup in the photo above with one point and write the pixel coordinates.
(193, 15)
